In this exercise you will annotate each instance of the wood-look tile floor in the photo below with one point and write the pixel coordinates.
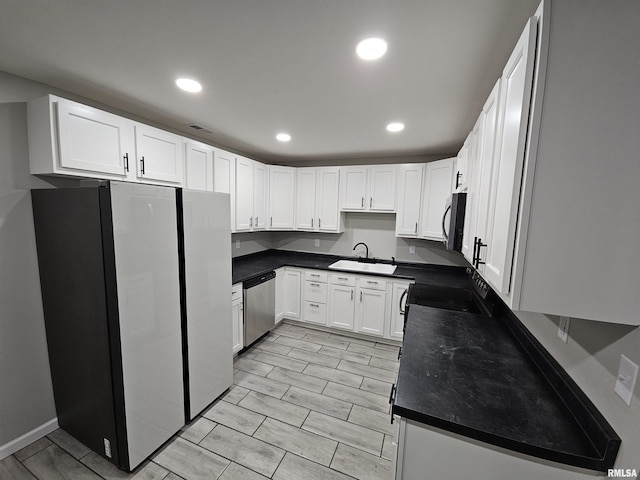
(305, 404)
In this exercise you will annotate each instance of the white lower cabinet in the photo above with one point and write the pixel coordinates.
(371, 303)
(315, 297)
(399, 291)
(279, 304)
(341, 301)
(291, 284)
(237, 317)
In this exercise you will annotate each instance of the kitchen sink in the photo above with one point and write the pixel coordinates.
(354, 266)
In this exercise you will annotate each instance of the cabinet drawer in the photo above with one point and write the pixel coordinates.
(236, 291)
(341, 279)
(316, 276)
(372, 283)
(315, 292)
(315, 313)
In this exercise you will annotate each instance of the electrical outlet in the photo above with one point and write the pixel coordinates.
(563, 329)
(316, 242)
(627, 376)
(237, 243)
(412, 249)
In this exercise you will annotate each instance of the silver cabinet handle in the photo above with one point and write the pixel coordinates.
(312, 223)
(250, 221)
(142, 165)
(371, 282)
(362, 203)
(370, 202)
(126, 162)
(314, 305)
(402, 298)
(314, 275)
(342, 278)
(352, 295)
(416, 228)
(319, 223)
(314, 284)
(256, 221)
(272, 221)
(360, 295)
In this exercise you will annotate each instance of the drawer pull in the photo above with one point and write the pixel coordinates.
(372, 282)
(314, 275)
(342, 278)
(314, 284)
(314, 305)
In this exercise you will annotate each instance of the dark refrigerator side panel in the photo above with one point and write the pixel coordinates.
(69, 238)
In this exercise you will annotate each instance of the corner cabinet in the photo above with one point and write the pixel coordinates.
(282, 195)
(368, 189)
(317, 200)
(291, 284)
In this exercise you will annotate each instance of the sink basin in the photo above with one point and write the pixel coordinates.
(352, 265)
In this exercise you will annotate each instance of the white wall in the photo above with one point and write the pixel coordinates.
(377, 230)
(591, 357)
(246, 243)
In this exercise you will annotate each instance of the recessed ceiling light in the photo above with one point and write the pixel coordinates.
(395, 127)
(189, 85)
(371, 48)
(283, 137)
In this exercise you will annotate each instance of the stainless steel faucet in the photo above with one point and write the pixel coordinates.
(365, 246)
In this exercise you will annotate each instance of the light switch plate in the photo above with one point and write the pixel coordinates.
(563, 329)
(316, 242)
(412, 249)
(627, 376)
(237, 243)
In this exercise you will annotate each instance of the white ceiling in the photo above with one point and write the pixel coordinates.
(276, 65)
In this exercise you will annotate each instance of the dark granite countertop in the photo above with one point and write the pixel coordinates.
(468, 374)
(251, 265)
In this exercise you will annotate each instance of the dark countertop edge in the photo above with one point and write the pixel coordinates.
(595, 427)
(334, 258)
(599, 464)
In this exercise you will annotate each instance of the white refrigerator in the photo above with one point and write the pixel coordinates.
(127, 313)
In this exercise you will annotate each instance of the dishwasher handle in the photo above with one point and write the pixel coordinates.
(258, 279)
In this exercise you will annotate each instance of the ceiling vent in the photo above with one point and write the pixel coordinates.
(200, 128)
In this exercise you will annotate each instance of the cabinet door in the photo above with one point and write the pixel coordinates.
(409, 198)
(515, 96)
(281, 198)
(371, 311)
(353, 188)
(382, 188)
(244, 195)
(306, 199)
(94, 141)
(198, 166)
(260, 193)
(159, 155)
(482, 178)
(279, 294)
(437, 188)
(237, 319)
(398, 305)
(341, 306)
(468, 232)
(291, 296)
(224, 168)
(328, 199)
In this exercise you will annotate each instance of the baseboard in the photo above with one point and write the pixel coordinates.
(28, 438)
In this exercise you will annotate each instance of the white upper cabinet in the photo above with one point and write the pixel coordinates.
(317, 200)
(409, 199)
(68, 138)
(244, 195)
(198, 166)
(251, 192)
(282, 183)
(330, 219)
(159, 155)
(438, 185)
(306, 199)
(467, 249)
(369, 189)
(260, 195)
(224, 174)
(513, 118)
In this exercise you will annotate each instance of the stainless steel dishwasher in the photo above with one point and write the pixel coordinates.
(259, 306)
